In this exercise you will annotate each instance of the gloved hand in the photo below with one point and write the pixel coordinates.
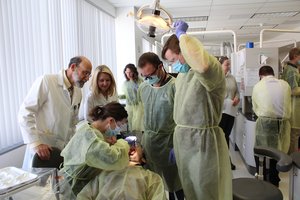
(180, 28)
(172, 158)
(131, 140)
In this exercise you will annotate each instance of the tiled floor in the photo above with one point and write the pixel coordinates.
(40, 193)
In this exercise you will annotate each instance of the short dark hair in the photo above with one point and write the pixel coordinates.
(172, 44)
(222, 59)
(266, 70)
(151, 58)
(294, 52)
(113, 109)
(133, 70)
(75, 60)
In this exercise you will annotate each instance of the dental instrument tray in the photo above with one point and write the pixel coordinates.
(14, 177)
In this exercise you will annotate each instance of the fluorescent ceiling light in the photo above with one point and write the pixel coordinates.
(192, 19)
(196, 29)
(275, 14)
(258, 26)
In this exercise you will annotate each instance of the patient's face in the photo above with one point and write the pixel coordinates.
(136, 155)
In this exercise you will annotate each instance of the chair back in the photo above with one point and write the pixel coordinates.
(55, 160)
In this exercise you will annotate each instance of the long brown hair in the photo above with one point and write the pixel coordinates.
(133, 70)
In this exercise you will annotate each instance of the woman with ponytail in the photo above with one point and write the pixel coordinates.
(94, 147)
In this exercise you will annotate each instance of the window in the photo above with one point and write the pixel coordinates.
(39, 37)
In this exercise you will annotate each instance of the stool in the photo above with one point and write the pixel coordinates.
(255, 189)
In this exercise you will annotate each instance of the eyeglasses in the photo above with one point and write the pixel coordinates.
(170, 63)
(85, 73)
(149, 77)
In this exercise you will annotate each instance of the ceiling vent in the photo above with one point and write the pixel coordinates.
(275, 14)
(192, 19)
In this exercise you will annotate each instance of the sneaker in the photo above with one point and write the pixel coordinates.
(233, 167)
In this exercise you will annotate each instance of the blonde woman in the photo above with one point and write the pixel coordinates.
(102, 90)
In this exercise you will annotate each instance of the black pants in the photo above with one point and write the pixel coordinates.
(179, 194)
(226, 124)
(270, 175)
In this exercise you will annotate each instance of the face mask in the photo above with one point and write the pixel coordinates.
(298, 62)
(112, 132)
(152, 79)
(181, 68)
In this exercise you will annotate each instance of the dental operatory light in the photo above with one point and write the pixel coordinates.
(153, 19)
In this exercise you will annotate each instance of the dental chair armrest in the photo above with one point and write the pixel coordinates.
(284, 161)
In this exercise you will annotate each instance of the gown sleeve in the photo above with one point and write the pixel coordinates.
(104, 156)
(208, 68)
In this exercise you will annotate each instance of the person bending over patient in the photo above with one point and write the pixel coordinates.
(94, 147)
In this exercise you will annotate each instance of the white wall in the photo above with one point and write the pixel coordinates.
(13, 158)
(125, 42)
(129, 43)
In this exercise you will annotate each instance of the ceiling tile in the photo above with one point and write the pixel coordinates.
(257, 21)
(187, 11)
(280, 7)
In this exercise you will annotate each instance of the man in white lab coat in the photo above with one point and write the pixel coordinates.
(49, 112)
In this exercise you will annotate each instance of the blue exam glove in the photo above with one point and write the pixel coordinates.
(131, 140)
(180, 28)
(172, 158)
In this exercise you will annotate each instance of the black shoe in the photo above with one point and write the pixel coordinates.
(232, 166)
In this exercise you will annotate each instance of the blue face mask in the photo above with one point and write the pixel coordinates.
(152, 79)
(181, 68)
(112, 132)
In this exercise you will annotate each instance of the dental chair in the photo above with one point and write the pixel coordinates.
(55, 161)
(256, 188)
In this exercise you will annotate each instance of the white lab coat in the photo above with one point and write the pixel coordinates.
(47, 115)
(99, 100)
